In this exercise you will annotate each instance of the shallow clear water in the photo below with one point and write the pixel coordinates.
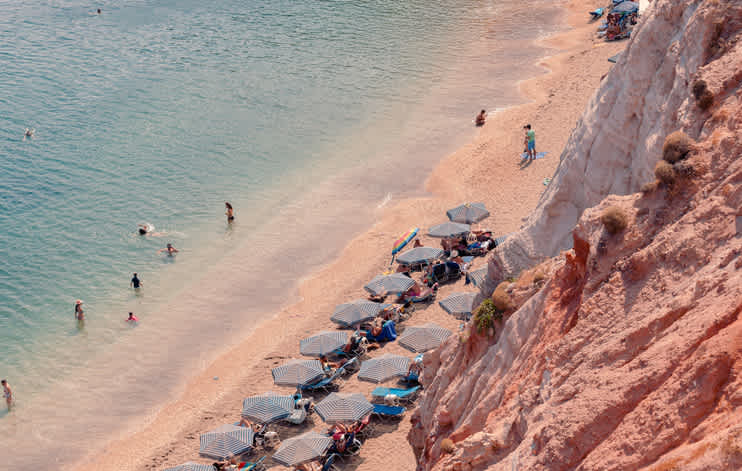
(304, 114)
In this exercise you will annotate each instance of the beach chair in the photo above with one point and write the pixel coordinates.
(350, 367)
(297, 417)
(443, 272)
(329, 462)
(255, 466)
(351, 446)
(388, 412)
(404, 395)
(364, 428)
(597, 13)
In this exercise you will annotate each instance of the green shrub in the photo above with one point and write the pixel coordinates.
(614, 219)
(486, 315)
(664, 172)
(676, 147)
(447, 446)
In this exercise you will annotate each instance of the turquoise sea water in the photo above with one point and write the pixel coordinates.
(160, 111)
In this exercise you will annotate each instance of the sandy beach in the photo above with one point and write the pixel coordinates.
(488, 169)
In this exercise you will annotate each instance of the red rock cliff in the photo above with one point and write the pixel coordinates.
(630, 355)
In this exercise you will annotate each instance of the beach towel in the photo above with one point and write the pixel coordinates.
(387, 334)
(539, 155)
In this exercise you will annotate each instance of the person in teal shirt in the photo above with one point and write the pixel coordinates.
(530, 142)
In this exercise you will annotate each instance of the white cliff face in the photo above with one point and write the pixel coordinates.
(618, 140)
(630, 355)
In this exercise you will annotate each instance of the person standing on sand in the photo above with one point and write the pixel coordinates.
(136, 282)
(7, 392)
(530, 142)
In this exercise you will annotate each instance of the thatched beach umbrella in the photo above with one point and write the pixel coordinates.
(305, 447)
(356, 312)
(191, 466)
(298, 372)
(423, 338)
(420, 255)
(323, 343)
(477, 276)
(226, 441)
(267, 407)
(468, 213)
(395, 283)
(383, 368)
(449, 229)
(339, 407)
(459, 304)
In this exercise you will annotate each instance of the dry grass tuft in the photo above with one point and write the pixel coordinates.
(614, 219)
(501, 297)
(448, 446)
(665, 172)
(676, 147)
(650, 187)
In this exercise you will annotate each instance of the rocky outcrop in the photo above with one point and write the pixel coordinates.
(630, 355)
(616, 143)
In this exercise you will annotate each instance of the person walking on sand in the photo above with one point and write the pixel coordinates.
(132, 318)
(7, 392)
(229, 212)
(169, 249)
(530, 142)
(79, 314)
(136, 282)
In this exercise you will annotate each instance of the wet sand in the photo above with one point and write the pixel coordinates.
(488, 169)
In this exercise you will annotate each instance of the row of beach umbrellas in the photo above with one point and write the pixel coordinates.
(231, 440)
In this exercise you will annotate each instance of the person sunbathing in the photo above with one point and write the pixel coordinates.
(244, 422)
(328, 367)
(309, 466)
(377, 298)
(416, 368)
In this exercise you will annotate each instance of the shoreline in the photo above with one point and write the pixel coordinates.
(171, 436)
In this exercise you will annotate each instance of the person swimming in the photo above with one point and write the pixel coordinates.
(169, 249)
(79, 314)
(230, 212)
(28, 133)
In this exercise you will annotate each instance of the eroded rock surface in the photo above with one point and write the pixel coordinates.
(630, 355)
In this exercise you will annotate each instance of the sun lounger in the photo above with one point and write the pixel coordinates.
(402, 394)
(329, 382)
(329, 462)
(248, 466)
(297, 417)
(597, 13)
(385, 412)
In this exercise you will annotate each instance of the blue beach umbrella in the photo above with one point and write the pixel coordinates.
(191, 466)
(423, 338)
(267, 407)
(384, 368)
(468, 213)
(305, 447)
(226, 441)
(339, 407)
(449, 229)
(395, 283)
(322, 343)
(298, 372)
(477, 276)
(459, 304)
(356, 312)
(420, 255)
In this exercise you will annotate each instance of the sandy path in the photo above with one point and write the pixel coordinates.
(487, 169)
